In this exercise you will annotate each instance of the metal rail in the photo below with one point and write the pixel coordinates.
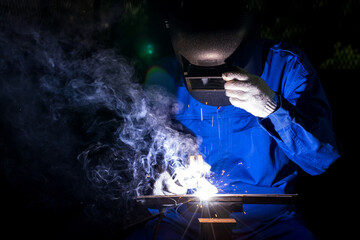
(171, 200)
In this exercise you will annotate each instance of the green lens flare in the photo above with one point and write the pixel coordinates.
(150, 49)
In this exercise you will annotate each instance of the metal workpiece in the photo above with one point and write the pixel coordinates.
(159, 201)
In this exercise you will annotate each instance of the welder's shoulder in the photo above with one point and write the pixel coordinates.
(290, 53)
(282, 47)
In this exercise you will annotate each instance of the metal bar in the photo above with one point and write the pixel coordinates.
(157, 227)
(171, 200)
(217, 220)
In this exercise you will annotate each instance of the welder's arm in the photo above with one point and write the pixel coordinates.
(302, 128)
(301, 122)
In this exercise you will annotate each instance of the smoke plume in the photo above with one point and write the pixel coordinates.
(78, 129)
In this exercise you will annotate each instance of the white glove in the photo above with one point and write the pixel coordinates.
(191, 176)
(195, 170)
(165, 185)
(250, 92)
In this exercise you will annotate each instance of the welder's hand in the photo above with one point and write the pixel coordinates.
(166, 185)
(195, 169)
(249, 92)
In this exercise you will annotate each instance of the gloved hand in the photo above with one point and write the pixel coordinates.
(250, 92)
(195, 170)
(191, 176)
(166, 185)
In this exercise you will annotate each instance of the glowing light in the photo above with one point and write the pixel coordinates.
(205, 190)
(193, 177)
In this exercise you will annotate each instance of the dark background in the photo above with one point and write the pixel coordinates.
(327, 31)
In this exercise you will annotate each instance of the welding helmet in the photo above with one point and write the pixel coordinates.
(205, 36)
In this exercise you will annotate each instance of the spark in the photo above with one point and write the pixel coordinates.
(205, 190)
(194, 177)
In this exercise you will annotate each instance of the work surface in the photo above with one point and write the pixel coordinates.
(171, 200)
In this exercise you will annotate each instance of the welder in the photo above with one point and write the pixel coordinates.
(269, 118)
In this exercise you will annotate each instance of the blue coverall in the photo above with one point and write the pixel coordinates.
(248, 154)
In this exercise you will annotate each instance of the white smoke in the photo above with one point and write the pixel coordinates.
(104, 138)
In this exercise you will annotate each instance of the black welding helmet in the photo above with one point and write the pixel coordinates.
(205, 36)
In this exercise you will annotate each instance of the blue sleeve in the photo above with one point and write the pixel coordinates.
(302, 125)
